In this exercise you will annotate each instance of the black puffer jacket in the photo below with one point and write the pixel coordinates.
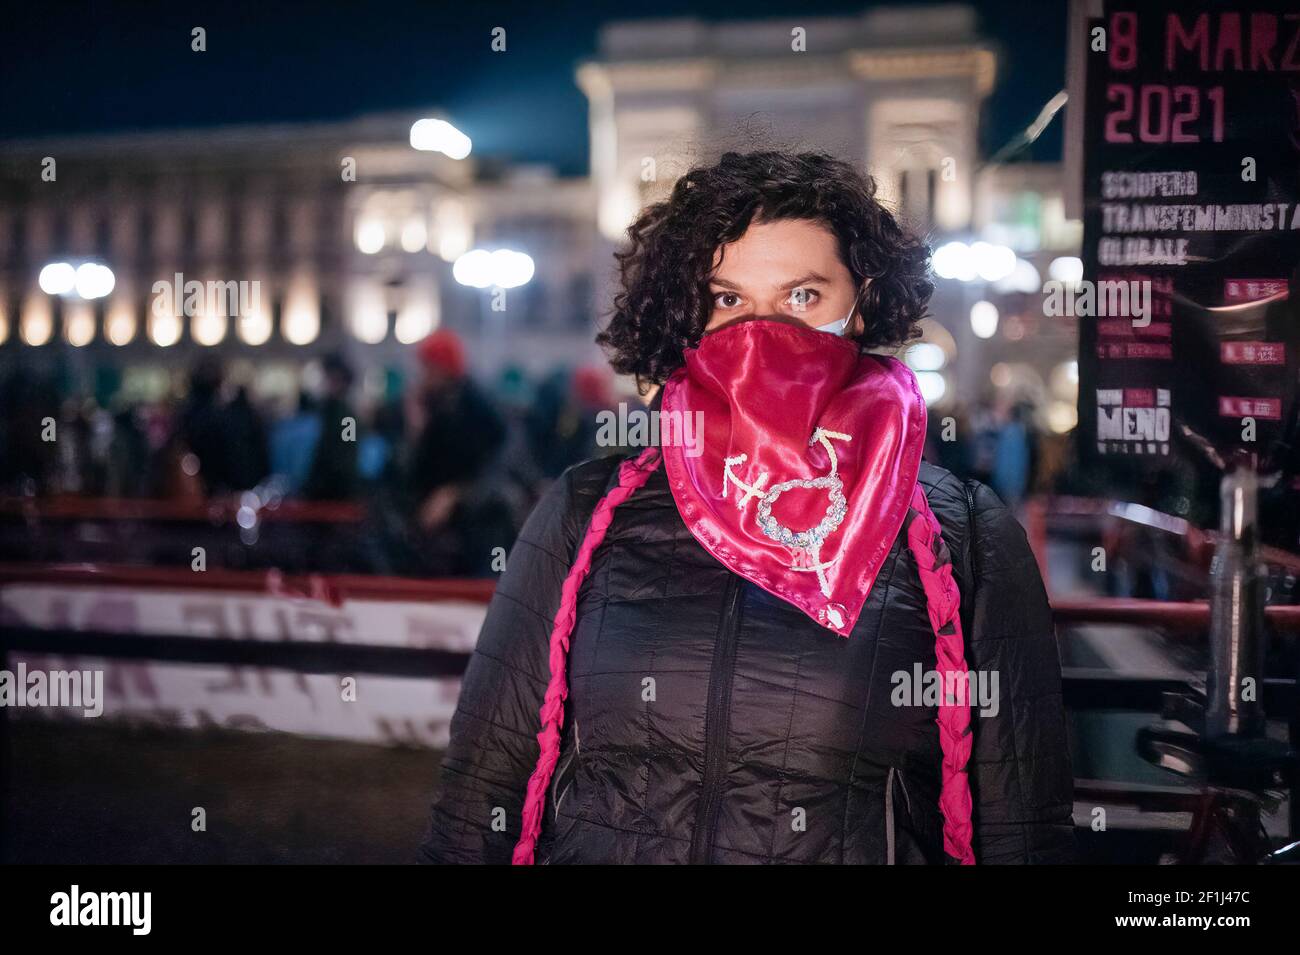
(708, 721)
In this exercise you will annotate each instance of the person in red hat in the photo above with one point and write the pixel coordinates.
(458, 435)
(443, 355)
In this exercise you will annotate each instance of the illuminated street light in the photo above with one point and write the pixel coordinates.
(301, 322)
(952, 260)
(984, 319)
(1067, 269)
(966, 263)
(371, 237)
(504, 268)
(208, 328)
(1023, 278)
(89, 280)
(933, 386)
(438, 135)
(58, 278)
(414, 236)
(925, 356)
(37, 321)
(119, 324)
(94, 280)
(993, 262)
(474, 269)
(511, 269)
(79, 324)
(164, 329)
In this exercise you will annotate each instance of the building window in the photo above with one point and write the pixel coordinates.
(60, 232)
(279, 227)
(17, 229)
(234, 226)
(145, 237)
(581, 300)
(327, 224)
(189, 230)
(103, 234)
(916, 193)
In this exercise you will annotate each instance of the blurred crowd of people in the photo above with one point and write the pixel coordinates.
(447, 469)
(996, 441)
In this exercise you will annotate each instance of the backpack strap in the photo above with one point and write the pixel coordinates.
(584, 507)
(632, 473)
(968, 559)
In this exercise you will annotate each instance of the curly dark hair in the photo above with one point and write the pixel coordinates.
(664, 303)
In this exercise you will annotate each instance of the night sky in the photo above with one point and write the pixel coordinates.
(89, 67)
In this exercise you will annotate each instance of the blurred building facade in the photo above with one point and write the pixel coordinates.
(898, 91)
(349, 235)
(303, 239)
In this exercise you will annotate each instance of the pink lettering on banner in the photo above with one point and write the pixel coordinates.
(1267, 408)
(1238, 291)
(1124, 328)
(1137, 350)
(432, 633)
(1148, 350)
(1252, 353)
(1139, 398)
(119, 676)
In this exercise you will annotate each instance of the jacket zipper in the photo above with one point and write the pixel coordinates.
(889, 817)
(717, 717)
(968, 564)
(970, 522)
(556, 796)
(891, 827)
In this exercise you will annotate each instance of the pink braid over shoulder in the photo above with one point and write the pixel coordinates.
(943, 602)
(632, 474)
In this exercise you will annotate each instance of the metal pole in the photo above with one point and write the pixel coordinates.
(1235, 680)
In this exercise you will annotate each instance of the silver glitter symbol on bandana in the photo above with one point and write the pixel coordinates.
(806, 544)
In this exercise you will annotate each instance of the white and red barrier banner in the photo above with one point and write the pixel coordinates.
(373, 709)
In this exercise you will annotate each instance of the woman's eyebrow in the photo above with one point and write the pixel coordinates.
(808, 279)
(805, 280)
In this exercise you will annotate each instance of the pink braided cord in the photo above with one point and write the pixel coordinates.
(943, 602)
(632, 474)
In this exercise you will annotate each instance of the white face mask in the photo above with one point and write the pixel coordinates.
(840, 327)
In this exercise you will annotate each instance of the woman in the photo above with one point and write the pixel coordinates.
(754, 643)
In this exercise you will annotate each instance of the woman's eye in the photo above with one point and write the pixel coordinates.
(803, 297)
(726, 300)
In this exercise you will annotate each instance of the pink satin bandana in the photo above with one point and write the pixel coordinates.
(802, 483)
(809, 461)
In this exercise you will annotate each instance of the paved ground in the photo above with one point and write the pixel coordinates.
(95, 793)
(101, 792)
